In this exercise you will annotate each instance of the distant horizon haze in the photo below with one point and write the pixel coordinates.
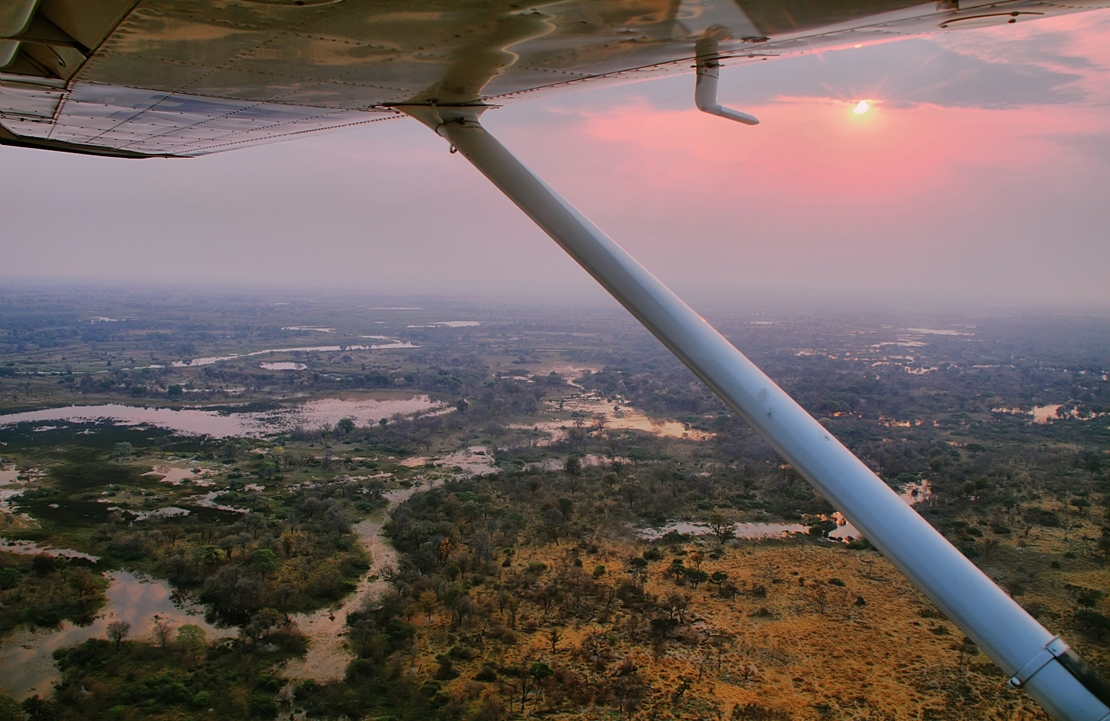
(585, 297)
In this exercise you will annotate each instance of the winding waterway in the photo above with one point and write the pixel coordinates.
(328, 656)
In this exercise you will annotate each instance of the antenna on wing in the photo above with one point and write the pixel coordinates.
(705, 92)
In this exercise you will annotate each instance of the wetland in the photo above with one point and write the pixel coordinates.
(525, 513)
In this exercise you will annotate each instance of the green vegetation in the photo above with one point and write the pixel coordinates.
(527, 591)
(177, 676)
(43, 590)
(494, 586)
(291, 550)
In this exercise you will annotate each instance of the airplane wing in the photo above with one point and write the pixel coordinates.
(190, 77)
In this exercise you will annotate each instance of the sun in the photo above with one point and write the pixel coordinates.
(862, 107)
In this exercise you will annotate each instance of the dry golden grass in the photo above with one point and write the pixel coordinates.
(872, 648)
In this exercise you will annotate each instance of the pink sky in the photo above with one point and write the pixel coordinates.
(977, 179)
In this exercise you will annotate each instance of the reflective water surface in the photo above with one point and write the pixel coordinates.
(912, 493)
(226, 424)
(303, 349)
(740, 530)
(26, 656)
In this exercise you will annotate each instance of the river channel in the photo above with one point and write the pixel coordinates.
(328, 656)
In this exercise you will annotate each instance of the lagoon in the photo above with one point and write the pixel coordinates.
(229, 423)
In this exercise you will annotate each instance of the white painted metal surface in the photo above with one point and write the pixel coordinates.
(968, 597)
(705, 92)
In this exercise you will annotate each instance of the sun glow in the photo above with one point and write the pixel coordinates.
(862, 107)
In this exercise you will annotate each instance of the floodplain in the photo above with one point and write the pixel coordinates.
(252, 507)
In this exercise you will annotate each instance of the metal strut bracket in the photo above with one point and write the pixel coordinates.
(1052, 650)
(993, 620)
(705, 91)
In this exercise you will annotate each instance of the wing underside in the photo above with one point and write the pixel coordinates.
(191, 77)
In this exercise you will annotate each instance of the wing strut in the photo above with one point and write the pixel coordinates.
(1018, 643)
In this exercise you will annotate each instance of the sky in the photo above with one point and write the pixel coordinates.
(978, 180)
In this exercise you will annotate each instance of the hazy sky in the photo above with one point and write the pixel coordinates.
(980, 179)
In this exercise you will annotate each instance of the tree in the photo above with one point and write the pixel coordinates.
(1088, 597)
(554, 635)
(38, 709)
(43, 563)
(989, 545)
(265, 560)
(162, 632)
(263, 623)
(192, 638)
(554, 523)
(676, 605)
(457, 600)
(718, 579)
(117, 631)
(427, 603)
(346, 425)
(10, 710)
(722, 528)
(627, 689)
(820, 596)
(9, 578)
(663, 626)
(821, 528)
(530, 680)
(695, 576)
(207, 555)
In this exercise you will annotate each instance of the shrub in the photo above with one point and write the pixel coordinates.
(262, 706)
